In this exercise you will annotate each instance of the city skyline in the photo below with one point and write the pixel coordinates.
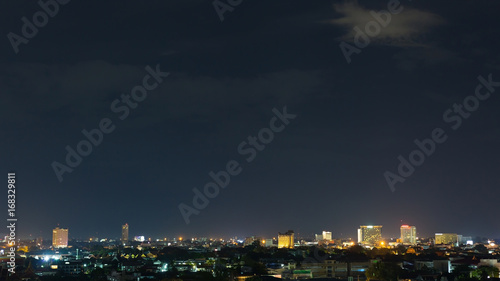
(124, 234)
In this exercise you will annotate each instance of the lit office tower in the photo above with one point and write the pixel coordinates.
(327, 235)
(124, 234)
(408, 234)
(60, 237)
(285, 240)
(446, 238)
(369, 234)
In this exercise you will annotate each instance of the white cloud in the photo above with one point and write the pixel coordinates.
(404, 29)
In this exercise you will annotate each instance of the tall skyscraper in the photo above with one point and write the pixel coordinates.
(408, 234)
(60, 237)
(369, 234)
(327, 235)
(125, 234)
(285, 240)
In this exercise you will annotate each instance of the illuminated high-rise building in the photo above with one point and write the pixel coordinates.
(60, 237)
(125, 233)
(408, 234)
(327, 235)
(446, 238)
(369, 234)
(285, 240)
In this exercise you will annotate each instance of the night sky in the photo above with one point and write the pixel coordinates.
(323, 171)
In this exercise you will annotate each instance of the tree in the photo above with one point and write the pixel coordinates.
(384, 271)
(259, 268)
(400, 249)
(173, 272)
(98, 274)
(485, 272)
(462, 272)
(356, 249)
(221, 273)
(425, 270)
(480, 248)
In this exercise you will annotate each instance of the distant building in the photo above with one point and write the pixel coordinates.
(125, 233)
(467, 240)
(318, 237)
(489, 262)
(440, 266)
(71, 267)
(301, 274)
(408, 234)
(250, 240)
(327, 235)
(60, 237)
(446, 238)
(139, 238)
(285, 240)
(369, 234)
(269, 243)
(336, 269)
